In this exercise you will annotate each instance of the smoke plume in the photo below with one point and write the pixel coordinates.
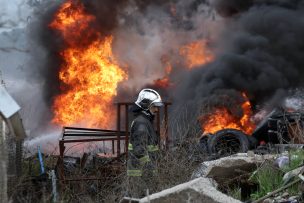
(256, 46)
(260, 51)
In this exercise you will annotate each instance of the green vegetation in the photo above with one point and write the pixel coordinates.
(269, 178)
(296, 160)
(234, 192)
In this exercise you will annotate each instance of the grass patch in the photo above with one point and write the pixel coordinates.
(296, 158)
(234, 192)
(270, 178)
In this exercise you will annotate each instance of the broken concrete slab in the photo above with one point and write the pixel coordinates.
(197, 190)
(229, 167)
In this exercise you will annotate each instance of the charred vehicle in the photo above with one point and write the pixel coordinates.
(278, 127)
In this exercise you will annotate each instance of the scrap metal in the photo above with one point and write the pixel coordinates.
(84, 135)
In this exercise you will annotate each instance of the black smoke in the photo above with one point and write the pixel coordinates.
(46, 62)
(106, 13)
(259, 50)
(261, 53)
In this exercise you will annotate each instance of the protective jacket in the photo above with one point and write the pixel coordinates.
(143, 146)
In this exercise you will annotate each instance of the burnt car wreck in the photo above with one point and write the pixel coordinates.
(280, 127)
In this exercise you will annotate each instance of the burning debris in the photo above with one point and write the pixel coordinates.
(221, 118)
(281, 126)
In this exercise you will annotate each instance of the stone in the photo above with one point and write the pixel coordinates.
(229, 167)
(268, 200)
(285, 194)
(197, 190)
(282, 161)
(277, 198)
(250, 154)
(293, 198)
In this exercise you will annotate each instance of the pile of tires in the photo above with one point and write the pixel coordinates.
(227, 142)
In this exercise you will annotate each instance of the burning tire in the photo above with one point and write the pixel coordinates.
(228, 141)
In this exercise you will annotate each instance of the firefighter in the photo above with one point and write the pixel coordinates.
(143, 144)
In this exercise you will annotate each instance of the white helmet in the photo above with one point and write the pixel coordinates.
(148, 97)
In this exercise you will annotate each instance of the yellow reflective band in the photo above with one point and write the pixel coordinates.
(144, 159)
(134, 172)
(152, 148)
(130, 147)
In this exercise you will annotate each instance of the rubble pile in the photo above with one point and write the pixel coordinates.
(213, 180)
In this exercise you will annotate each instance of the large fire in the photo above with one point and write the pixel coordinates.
(221, 119)
(89, 74)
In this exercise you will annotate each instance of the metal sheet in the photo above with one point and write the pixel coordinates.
(8, 106)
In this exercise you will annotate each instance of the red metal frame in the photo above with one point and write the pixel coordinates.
(77, 135)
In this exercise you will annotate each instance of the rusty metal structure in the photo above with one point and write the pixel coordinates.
(116, 137)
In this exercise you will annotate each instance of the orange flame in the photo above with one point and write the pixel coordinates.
(90, 73)
(196, 53)
(165, 81)
(221, 119)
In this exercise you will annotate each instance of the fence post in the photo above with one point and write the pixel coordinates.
(3, 160)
